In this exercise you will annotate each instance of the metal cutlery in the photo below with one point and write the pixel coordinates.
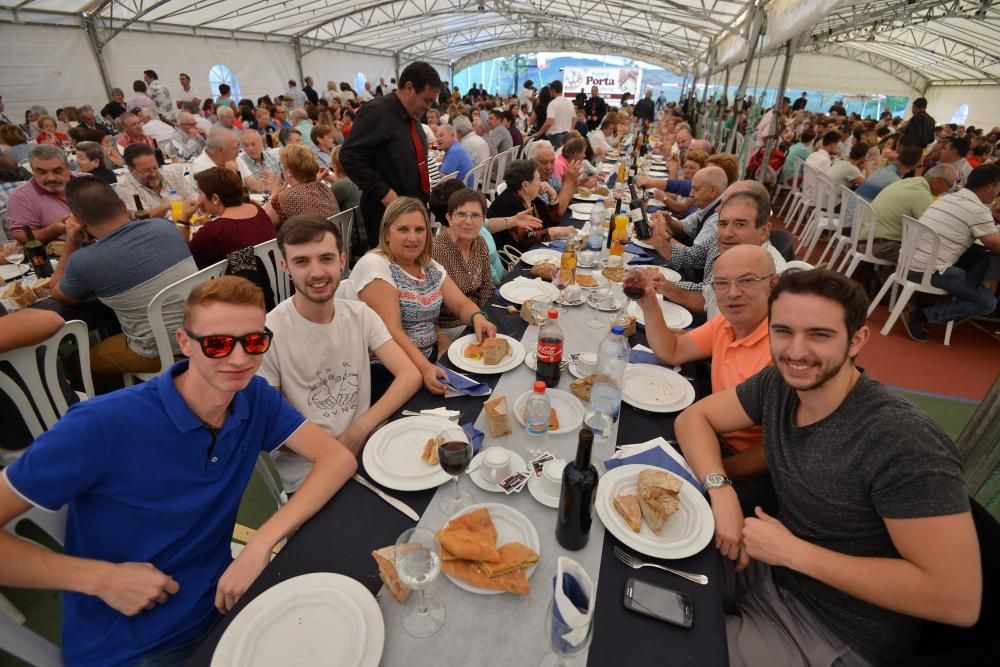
(635, 563)
(510, 309)
(398, 504)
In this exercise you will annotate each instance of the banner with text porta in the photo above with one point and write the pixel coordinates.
(611, 82)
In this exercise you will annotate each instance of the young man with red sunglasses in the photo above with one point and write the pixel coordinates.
(153, 477)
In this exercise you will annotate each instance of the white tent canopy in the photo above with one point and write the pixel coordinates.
(54, 50)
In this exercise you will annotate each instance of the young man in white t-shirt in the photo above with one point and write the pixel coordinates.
(319, 359)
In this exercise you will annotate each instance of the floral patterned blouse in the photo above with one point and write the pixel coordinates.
(474, 277)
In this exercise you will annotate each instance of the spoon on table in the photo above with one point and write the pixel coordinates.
(510, 309)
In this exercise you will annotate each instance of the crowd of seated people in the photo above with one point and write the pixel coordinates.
(106, 183)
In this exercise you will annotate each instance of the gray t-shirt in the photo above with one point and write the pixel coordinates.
(875, 457)
(125, 270)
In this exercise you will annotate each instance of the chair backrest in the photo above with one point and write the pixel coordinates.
(176, 169)
(501, 186)
(809, 182)
(445, 177)
(33, 384)
(826, 194)
(915, 234)
(798, 167)
(16, 639)
(345, 223)
(170, 294)
(270, 256)
(798, 265)
(476, 178)
(849, 210)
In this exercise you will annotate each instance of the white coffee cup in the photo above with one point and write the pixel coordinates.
(587, 363)
(572, 294)
(551, 480)
(587, 258)
(496, 464)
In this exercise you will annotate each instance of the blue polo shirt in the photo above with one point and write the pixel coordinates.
(456, 158)
(146, 481)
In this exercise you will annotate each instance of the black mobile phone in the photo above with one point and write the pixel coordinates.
(659, 602)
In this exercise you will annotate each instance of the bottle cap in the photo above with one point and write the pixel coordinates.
(618, 330)
(539, 387)
(553, 314)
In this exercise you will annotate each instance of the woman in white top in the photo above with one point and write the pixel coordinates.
(402, 283)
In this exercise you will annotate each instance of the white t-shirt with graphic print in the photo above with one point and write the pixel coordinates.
(322, 370)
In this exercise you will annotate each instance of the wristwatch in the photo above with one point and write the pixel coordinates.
(714, 480)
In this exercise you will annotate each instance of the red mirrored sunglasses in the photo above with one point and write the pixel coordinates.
(217, 346)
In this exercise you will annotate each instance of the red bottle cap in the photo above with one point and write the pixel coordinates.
(553, 314)
(539, 387)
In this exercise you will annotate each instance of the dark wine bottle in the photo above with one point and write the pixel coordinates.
(34, 251)
(140, 212)
(576, 500)
(641, 225)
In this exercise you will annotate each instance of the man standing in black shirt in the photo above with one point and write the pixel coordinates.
(385, 154)
(596, 109)
(310, 92)
(645, 109)
(920, 128)
(800, 104)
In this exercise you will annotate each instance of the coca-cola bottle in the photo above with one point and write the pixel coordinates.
(550, 350)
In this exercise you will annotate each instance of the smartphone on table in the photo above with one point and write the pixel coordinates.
(659, 602)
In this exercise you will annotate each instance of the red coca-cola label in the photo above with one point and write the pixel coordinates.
(550, 352)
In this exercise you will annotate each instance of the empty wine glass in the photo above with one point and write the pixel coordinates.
(14, 253)
(417, 565)
(454, 456)
(564, 652)
(600, 298)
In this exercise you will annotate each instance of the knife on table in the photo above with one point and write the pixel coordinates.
(398, 504)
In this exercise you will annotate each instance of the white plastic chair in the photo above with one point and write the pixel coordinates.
(16, 639)
(862, 239)
(3, 225)
(823, 218)
(802, 206)
(345, 223)
(41, 401)
(270, 256)
(915, 233)
(445, 177)
(163, 332)
(476, 178)
(840, 239)
(795, 187)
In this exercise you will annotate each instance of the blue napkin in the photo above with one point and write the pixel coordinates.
(557, 245)
(638, 251)
(641, 259)
(475, 437)
(655, 456)
(642, 357)
(463, 384)
(572, 607)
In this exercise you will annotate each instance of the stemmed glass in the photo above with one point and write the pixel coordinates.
(563, 652)
(14, 253)
(418, 564)
(454, 456)
(599, 298)
(561, 281)
(634, 286)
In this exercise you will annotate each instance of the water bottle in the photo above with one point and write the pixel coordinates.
(595, 239)
(606, 394)
(536, 420)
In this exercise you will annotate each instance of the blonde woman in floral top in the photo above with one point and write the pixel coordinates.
(401, 282)
(462, 251)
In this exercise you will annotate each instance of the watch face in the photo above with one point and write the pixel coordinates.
(715, 479)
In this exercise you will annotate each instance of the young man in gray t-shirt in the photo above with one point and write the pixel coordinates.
(874, 531)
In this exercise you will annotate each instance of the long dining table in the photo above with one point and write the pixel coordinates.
(342, 535)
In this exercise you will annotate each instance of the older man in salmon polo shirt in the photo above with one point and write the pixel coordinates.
(40, 204)
(736, 341)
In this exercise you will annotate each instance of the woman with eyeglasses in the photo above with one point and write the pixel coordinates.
(403, 283)
(461, 250)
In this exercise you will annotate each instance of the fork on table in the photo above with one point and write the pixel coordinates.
(635, 563)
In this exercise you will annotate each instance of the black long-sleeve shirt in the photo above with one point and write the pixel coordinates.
(920, 129)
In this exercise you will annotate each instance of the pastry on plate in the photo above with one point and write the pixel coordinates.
(471, 573)
(495, 350)
(468, 544)
(585, 280)
(658, 497)
(582, 387)
(513, 556)
(628, 507)
(473, 351)
(431, 450)
(386, 560)
(544, 270)
(615, 274)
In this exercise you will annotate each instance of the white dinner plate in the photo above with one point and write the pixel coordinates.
(596, 275)
(536, 255)
(577, 215)
(669, 274)
(307, 620)
(392, 455)
(684, 534)
(657, 173)
(457, 349)
(568, 409)
(518, 291)
(517, 464)
(676, 317)
(512, 526)
(591, 197)
(581, 208)
(643, 244)
(656, 389)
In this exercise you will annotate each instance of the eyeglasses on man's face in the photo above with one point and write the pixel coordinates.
(721, 285)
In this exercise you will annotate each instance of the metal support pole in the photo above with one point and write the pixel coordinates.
(684, 81)
(297, 43)
(517, 72)
(756, 24)
(395, 60)
(89, 24)
(790, 46)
